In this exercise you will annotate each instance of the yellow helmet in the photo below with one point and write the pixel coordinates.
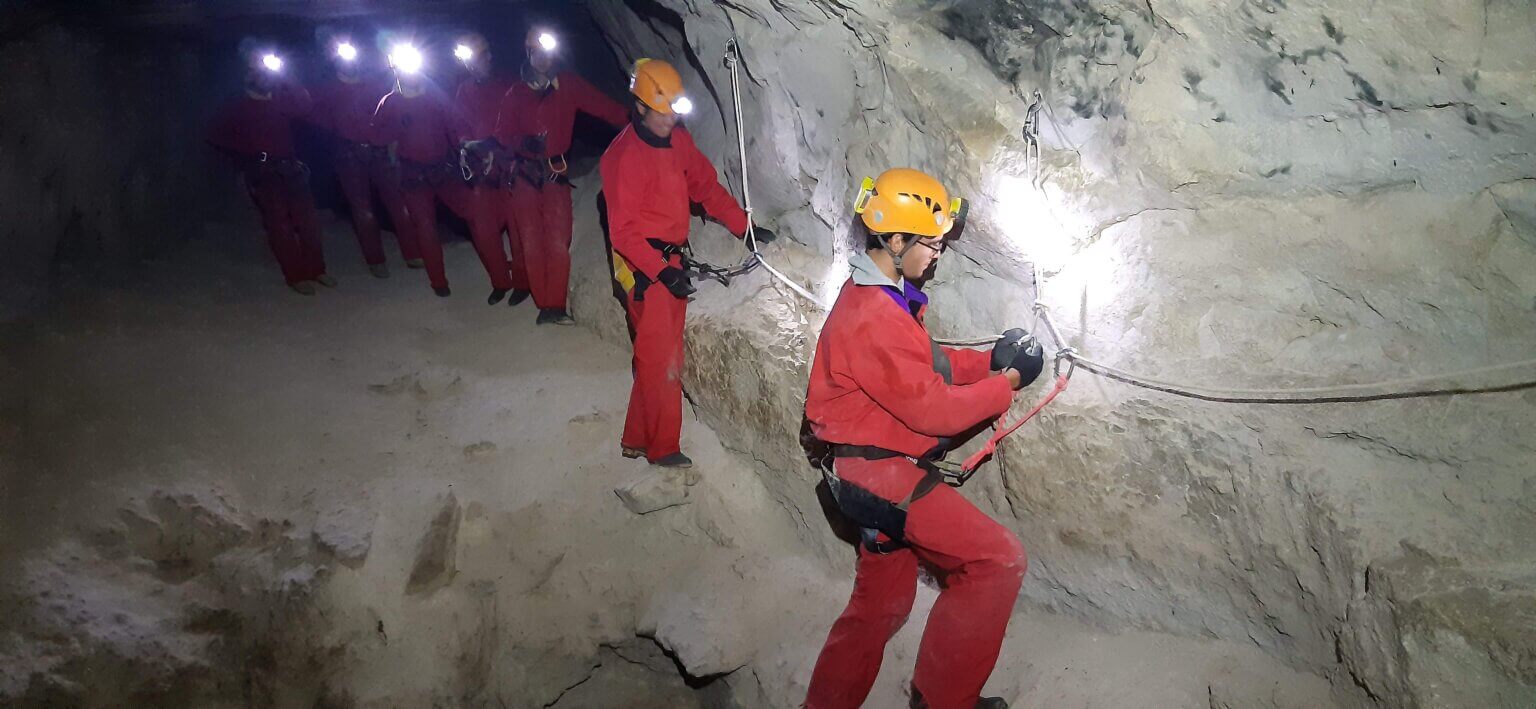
(906, 201)
(658, 85)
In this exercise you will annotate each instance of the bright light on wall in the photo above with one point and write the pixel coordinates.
(1029, 222)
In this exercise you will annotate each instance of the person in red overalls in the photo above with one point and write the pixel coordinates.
(884, 399)
(537, 117)
(344, 107)
(479, 99)
(651, 174)
(421, 127)
(257, 130)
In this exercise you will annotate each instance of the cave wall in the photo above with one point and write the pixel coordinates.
(1252, 195)
(103, 162)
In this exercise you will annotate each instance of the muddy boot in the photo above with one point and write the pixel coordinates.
(303, 287)
(518, 296)
(326, 279)
(443, 292)
(981, 703)
(631, 453)
(555, 316)
(676, 460)
(496, 295)
(378, 270)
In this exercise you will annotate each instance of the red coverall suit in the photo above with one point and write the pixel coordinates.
(543, 211)
(427, 128)
(481, 201)
(649, 186)
(345, 108)
(260, 132)
(873, 384)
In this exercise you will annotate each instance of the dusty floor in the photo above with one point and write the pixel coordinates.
(225, 494)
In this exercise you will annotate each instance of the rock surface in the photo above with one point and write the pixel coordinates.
(1261, 195)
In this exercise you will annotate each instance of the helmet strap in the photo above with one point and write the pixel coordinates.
(896, 256)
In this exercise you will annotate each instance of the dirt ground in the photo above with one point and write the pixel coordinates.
(221, 493)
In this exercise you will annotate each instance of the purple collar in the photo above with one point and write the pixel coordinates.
(909, 297)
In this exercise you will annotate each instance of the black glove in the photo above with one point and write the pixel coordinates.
(1016, 350)
(1007, 347)
(1028, 363)
(677, 281)
(763, 235)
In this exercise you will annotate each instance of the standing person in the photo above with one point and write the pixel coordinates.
(344, 107)
(257, 130)
(537, 117)
(480, 202)
(885, 398)
(651, 173)
(421, 127)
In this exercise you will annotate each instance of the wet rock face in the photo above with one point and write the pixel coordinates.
(1262, 195)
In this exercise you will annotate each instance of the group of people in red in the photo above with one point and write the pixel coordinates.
(492, 152)
(883, 400)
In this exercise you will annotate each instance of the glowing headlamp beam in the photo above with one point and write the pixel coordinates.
(547, 42)
(406, 58)
(682, 106)
(272, 62)
(346, 51)
(464, 52)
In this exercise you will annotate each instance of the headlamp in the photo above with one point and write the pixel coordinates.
(682, 106)
(406, 58)
(547, 42)
(464, 52)
(272, 62)
(346, 51)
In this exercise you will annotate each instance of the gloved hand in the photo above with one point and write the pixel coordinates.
(677, 281)
(1007, 347)
(763, 234)
(1028, 362)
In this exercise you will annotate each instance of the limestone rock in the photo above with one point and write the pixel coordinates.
(437, 551)
(655, 489)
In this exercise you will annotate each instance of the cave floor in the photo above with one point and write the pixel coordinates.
(380, 408)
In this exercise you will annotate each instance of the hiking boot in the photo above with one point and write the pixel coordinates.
(378, 270)
(415, 263)
(991, 703)
(303, 287)
(326, 279)
(518, 296)
(555, 316)
(676, 460)
(632, 453)
(443, 292)
(496, 295)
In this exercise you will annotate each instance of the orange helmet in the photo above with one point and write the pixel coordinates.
(658, 85)
(907, 201)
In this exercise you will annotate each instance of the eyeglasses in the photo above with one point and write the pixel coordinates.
(936, 245)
